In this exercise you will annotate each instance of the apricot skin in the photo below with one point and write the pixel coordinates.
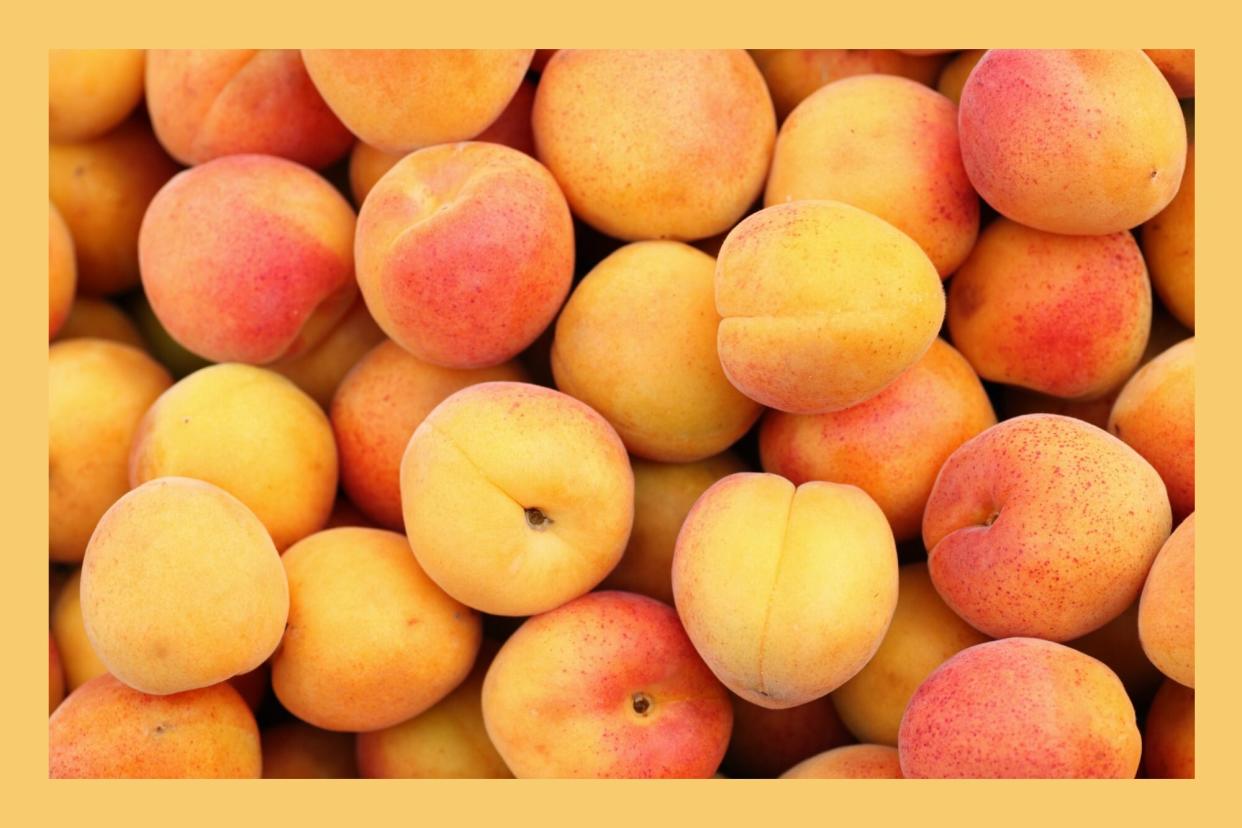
(1166, 617)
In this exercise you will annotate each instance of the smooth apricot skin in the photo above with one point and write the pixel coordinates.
(663, 496)
(448, 741)
(251, 432)
(605, 686)
(892, 445)
(1178, 68)
(375, 411)
(1084, 142)
(320, 370)
(637, 342)
(792, 75)
(92, 318)
(808, 284)
(1043, 526)
(182, 587)
(62, 271)
(887, 145)
(652, 144)
(786, 592)
(106, 730)
(76, 654)
(766, 742)
(55, 675)
(402, 99)
(90, 91)
(1020, 708)
(516, 498)
(371, 640)
(1155, 415)
(1168, 240)
(295, 750)
(98, 392)
(465, 253)
(248, 258)
(102, 188)
(924, 633)
(1063, 315)
(1166, 617)
(849, 762)
(954, 74)
(1169, 737)
(367, 164)
(207, 103)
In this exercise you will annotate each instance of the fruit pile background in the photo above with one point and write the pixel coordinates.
(828, 413)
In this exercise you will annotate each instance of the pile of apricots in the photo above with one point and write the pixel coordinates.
(590, 413)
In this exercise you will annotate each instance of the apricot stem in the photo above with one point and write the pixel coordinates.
(641, 703)
(537, 520)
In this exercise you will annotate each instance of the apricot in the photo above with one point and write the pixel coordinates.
(106, 730)
(371, 640)
(402, 99)
(887, 145)
(924, 633)
(97, 394)
(295, 750)
(1155, 415)
(785, 591)
(62, 271)
(892, 445)
(92, 318)
(102, 188)
(663, 495)
(251, 432)
(954, 74)
(809, 284)
(375, 411)
(320, 370)
(367, 164)
(1168, 240)
(206, 103)
(55, 675)
(1020, 708)
(1084, 142)
(1063, 315)
(607, 685)
(849, 762)
(655, 144)
(448, 741)
(1169, 737)
(637, 342)
(1117, 645)
(465, 253)
(248, 258)
(76, 654)
(516, 498)
(792, 75)
(1166, 616)
(1043, 526)
(1178, 68)
(766, 742)
(90, 91)
(181, 587)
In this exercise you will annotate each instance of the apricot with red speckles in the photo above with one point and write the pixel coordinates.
(1169, 735)
(1044, 526)
(106, 730)
(1086, 141)
(206, 103)
(849, 762)
(887, 145)
(248, 258)
(792, 75)
(465, 253)
(1020, 708)
(1065, 315)
(785, 591)
(607, 685)
(1166, 617)
(892, 445)
(766, 742)
(655, 144)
